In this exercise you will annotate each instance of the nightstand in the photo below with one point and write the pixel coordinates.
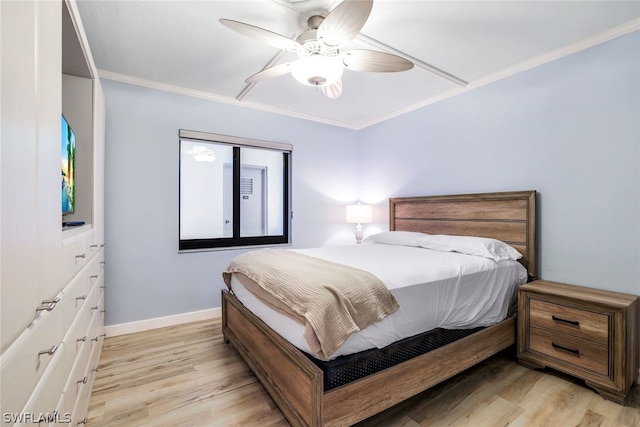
(588, 333)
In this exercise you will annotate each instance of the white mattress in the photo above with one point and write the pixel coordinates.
(434, 289)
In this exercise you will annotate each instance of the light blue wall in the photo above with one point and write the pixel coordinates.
(147, 277)
(569, 129)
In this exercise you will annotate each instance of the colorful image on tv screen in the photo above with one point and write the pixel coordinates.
(68, 166)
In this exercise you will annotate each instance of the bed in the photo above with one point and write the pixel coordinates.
(297, 384)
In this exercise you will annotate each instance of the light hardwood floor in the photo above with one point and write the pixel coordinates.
(187, 376)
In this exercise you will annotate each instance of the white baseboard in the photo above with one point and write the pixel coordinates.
(161, 322)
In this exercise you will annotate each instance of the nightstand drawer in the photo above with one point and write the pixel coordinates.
(582, 353)
(578, 323)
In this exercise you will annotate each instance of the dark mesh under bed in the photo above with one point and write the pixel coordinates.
(344, 369)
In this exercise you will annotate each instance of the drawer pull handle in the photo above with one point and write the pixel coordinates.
(81, 256)
(570, 350)
(102, 245)
(83, 380)
(95, 276)
(83, 421)
(81, 297)
(49, 352)
(96, 339)
(93, 246)
(571, 322)
(95, 308)
(83, 339)
(48, 305)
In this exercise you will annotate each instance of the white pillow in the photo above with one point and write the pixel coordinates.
(399, 238)
(480, 246)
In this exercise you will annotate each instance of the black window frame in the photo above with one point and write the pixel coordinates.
(237, 241)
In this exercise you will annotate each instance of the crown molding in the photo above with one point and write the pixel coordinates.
(179, 90)
(614, 33)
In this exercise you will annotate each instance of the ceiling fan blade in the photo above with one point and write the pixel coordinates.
(260, 34)
(268, 73)
(374, 61)
(344, 22)
(334, 90)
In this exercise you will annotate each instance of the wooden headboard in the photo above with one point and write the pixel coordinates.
(506, 216)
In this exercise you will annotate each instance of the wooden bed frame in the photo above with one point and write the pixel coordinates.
(296, 384)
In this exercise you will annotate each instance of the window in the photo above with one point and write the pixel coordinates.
(233, 191)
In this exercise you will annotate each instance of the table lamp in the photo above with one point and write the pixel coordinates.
(359, 214)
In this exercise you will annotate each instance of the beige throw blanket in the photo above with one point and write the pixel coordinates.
(331, 300)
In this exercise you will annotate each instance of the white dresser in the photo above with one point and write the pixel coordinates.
(52, 279)
(48, 371)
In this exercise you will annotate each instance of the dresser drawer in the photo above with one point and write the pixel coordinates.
(24, 363)
(100, 262)
(84, 385)
(581, 353)
(78, 377)
(584, 324)
(74, 255)
(75, 294)
(76, 336)
(62, 416)
(90, 241)
(94, 269)
(46, 396)
(96, 328)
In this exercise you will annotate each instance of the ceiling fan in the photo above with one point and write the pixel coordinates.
(320, 60)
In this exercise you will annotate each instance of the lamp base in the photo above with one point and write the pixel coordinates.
(359, 233)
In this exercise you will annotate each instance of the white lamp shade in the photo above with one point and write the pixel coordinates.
(359, 214)
(317, 70)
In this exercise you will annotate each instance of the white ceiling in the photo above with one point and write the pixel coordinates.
(180, 46)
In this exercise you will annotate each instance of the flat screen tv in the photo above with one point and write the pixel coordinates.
(68, 153)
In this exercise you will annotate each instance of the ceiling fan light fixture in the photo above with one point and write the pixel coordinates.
(321, 60)
(317, 70)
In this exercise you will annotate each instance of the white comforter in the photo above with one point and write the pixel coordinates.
(434, 289)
